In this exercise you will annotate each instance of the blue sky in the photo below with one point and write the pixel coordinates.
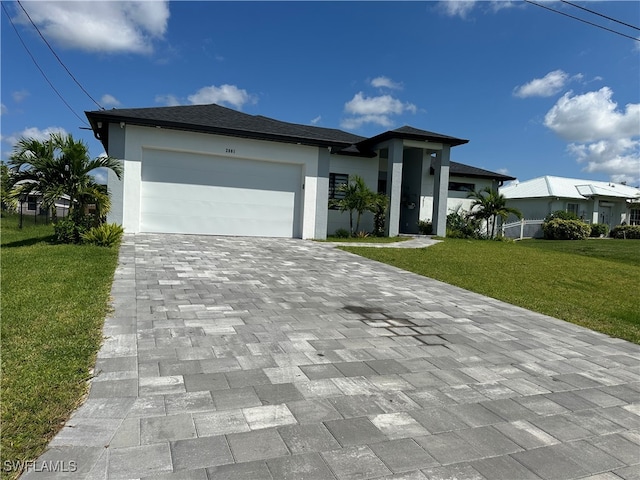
(535, 92)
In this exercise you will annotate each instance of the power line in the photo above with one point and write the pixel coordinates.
(583, 21)
(600, 14)
(38, 66)
(58, 58)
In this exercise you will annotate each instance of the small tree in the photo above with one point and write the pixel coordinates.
(60, 166)
(489, 205)
(357, 197)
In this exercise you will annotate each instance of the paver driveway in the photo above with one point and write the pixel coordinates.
(229, 358)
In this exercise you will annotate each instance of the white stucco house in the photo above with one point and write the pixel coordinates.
(207, 169)
(592, 201)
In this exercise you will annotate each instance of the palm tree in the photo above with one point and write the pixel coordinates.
(60, 166)
(488, 205)
(358, 197)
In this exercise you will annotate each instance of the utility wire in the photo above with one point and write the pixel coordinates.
(583, 21)
(58, 58)
(600, 14)
(38, 66)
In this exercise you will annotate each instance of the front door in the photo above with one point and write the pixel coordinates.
(605, 215)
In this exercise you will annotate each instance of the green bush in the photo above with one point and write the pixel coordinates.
(341, 233)
(559, 229)
(599, 230)
(106, 235)
(561, 215)
(70, 229)
(460, 225)
(425, 228)
(626, 231)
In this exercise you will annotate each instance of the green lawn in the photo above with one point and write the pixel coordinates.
(593, 283)
(367, 239)
(54, 301)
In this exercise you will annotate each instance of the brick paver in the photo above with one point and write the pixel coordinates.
(277, 358)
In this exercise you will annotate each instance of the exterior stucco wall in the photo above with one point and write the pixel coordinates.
(367, 168)
(139, 139)
(455, 199)
(538, 208)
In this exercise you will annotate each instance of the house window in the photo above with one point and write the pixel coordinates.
(461, 187)
(336, 180)
(573, 208)
(634, 216)
(32, 202)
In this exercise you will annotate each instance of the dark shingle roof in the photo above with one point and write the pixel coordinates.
(410, 133)
(461, 170)
(226, 121)
(216, 119)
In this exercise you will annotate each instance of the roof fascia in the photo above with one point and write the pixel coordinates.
(143, 122)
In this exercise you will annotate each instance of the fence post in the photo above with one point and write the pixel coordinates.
(521, 228)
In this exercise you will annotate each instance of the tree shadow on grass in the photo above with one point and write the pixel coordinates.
(27, 242)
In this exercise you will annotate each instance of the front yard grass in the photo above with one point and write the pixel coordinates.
(366, 239)
(593, 283)
(54, 301)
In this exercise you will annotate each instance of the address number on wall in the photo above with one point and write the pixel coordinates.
(230, 150)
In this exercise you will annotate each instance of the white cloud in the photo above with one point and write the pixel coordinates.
(550, 84)
(101, 26)
(592, 116)
(377, 110)
(224, 94)
(503, 171)
(603, 138)
(3, 109)
(20, 95)
(457, 8)
(386, 82)
(33, 132)
(354, 123)
(169, 100)
(316, 120)
(109, 100)
(380, 105)
(619, 158)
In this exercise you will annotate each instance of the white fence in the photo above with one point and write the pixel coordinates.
(523, 229)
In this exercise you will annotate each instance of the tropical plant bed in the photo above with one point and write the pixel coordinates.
(54, 301)
(593, 283)
(366, 239)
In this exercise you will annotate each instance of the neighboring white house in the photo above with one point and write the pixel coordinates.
(592, 201)
(207, 169)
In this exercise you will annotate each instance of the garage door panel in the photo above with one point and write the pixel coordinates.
(220, 171)
(230, 196)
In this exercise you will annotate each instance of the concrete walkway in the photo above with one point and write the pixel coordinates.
(234, 358)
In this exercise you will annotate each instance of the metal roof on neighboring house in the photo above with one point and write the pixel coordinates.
(561, 187)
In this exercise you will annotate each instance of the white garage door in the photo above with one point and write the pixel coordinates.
(201, 194)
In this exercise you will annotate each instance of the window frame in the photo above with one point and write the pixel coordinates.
(335, 181)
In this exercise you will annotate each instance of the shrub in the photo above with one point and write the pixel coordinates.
(599, 230)
(425, 227)
(106, 235)
(70, 229)
(362, 234)
(559, 229)
(626, 231)
(460, 225)
(341, 233)
(561, 215)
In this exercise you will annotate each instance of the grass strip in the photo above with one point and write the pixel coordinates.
(366, 239)
(592, 283)
(54, 301)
